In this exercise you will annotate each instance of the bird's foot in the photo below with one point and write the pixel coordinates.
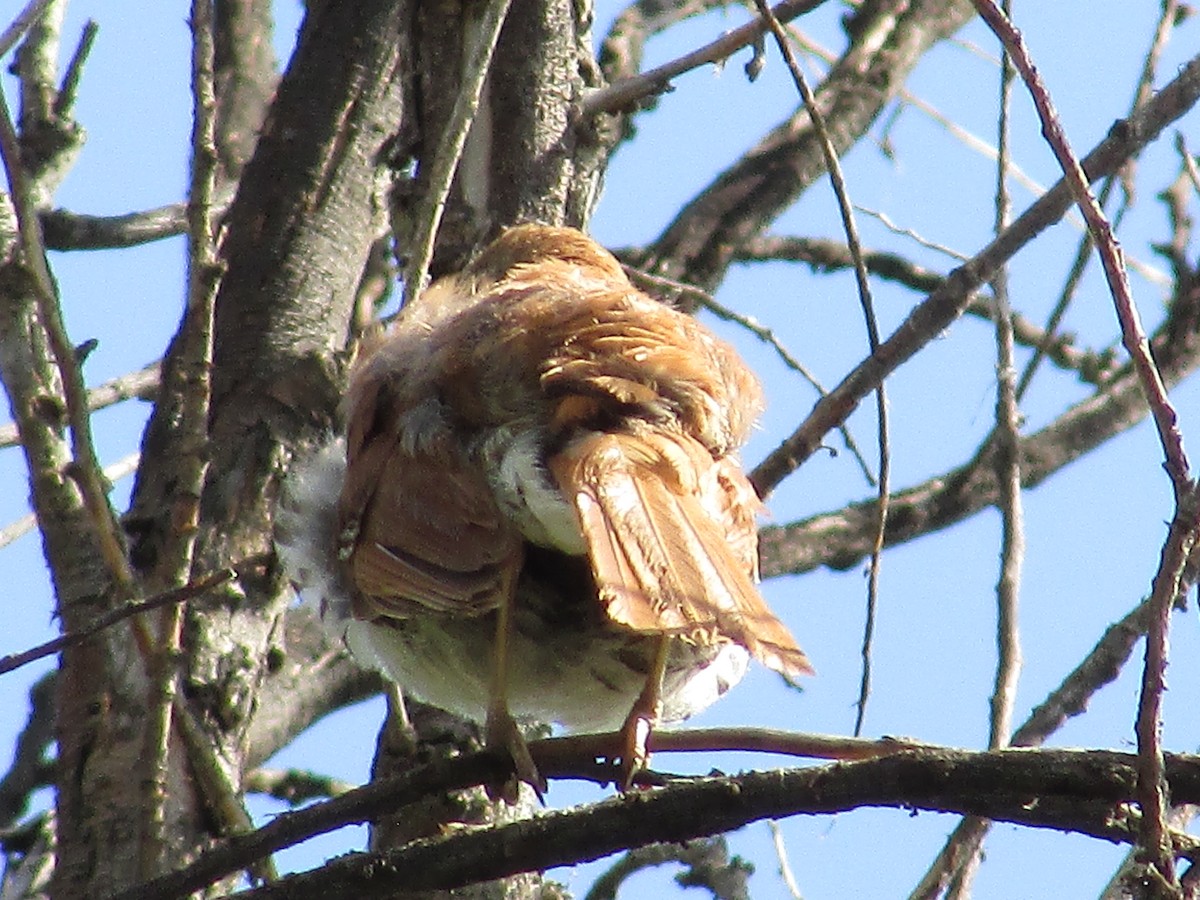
(503, 735)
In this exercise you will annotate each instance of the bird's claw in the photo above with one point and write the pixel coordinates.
(504, 736)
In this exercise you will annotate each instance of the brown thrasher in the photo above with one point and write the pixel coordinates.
(538, 511)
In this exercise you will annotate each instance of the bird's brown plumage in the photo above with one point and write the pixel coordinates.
(537, 399)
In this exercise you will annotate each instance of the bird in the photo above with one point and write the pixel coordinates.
(536, 512)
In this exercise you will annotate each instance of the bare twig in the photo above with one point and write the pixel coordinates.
(66, 230)
(293, 786)
(1168, 585)
(1132, 333)
(450, 147)
(140, 384)
(785, 866)
(864, 295)
(693, 296)
(623, 94)
(1008, 463)
(955, 129)
(1092, 366)
(113, 616)
(1006, 439)
(64, 103)
(915, 236)
(1189, 161)
(823, 254)
(126, 465)
(706, 861)
(1083, 253)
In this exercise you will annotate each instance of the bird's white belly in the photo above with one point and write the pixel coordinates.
(581, 681)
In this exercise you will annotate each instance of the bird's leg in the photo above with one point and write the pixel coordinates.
(635, 733)
(501, 730)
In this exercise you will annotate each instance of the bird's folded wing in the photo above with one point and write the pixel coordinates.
(420, 531)
(671, 537)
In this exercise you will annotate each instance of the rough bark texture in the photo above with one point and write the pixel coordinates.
(369, 89)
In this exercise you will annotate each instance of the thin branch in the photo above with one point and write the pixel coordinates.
(64, 103)
(190, 379)
(1189, 161)
(622, 94)
(1142, 94)
(1008, 461)
(124, 466)
(915, 236)
(1006, 439)
(906, 97)
(450, 147)
(293, 786)
(1133, 336)
(113, 616)
(821, 254)
(825, 255)
(65, 230)
(842, 193)
(689, 295)
(140, 384)
(1166, 589)
(1083, 253)
(785, 866)
(706, 864)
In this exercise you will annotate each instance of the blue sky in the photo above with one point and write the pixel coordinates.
(1093, 531)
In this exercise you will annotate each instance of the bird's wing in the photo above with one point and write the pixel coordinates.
(670, 533)
(418, 525)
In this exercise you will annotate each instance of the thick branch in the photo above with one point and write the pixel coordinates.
(1086, 791)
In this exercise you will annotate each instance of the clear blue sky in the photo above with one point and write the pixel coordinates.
(1093, 531)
